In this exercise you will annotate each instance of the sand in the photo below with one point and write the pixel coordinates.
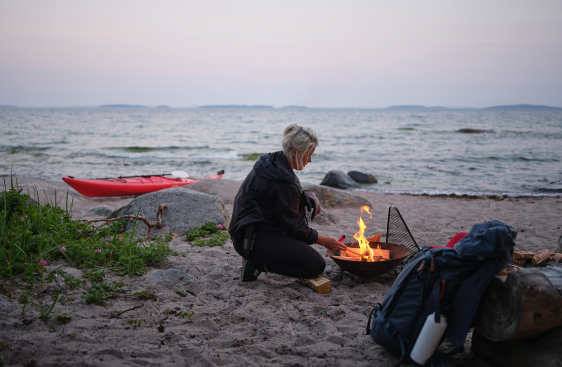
(273, 321)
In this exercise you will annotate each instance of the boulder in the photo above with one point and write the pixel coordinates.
(360, 177)
(100, 211)
(172, 278)
(185, 209)
(339, 180)
(334, 198)
(223, 188)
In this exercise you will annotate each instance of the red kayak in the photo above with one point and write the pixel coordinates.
(129, 186)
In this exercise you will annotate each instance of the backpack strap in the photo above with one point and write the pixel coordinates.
(374, 310)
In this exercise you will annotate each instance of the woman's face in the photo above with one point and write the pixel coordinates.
(307, 158)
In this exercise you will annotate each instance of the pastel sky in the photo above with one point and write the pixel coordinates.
(305, 52)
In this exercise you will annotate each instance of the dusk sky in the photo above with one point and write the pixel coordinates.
(311, 53)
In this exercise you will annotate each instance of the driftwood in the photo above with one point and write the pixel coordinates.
(541, 256)
(525, 307)
(150, 225)
(543, 352)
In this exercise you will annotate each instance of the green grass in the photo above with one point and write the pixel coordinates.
(208, 234)
(34, 233)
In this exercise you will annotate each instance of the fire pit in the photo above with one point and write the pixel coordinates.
(397, 254)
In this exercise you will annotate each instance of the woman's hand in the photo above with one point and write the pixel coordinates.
(331, 243)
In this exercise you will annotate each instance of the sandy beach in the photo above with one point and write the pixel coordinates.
(273, 321)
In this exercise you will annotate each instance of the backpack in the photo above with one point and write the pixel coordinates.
(444, 281)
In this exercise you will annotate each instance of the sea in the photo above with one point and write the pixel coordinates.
(414, 151)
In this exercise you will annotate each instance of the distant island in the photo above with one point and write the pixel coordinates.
(122, 106)
(163, 106)
(522, 107)
(406, 107)
(235, 106)
(8, 106)
(294, 107)
(506, 107)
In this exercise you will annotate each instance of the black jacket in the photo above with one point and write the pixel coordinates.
(271, 196)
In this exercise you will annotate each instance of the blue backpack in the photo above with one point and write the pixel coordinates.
(444, 281)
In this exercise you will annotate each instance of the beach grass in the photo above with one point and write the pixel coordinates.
(33, 235)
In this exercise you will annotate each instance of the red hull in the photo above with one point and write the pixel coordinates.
(127, 186)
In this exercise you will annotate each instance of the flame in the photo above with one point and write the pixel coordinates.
(367, 253)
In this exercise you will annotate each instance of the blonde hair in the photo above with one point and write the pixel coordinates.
(303, 139)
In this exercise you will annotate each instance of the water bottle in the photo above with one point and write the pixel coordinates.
(429, 339)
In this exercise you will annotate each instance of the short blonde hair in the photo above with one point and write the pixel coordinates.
(303, 139)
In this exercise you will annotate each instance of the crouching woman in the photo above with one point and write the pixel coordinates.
(269, 228)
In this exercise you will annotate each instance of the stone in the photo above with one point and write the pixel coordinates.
(223, 188)
(185, 210)
(360, 177)
(102, 211)
(4, 305)
(339, 180)
(334, 198)
(474, 131)
(172, 278)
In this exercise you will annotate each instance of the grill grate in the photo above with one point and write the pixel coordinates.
(398, 232)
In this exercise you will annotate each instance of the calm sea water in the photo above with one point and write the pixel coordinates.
(416, 151)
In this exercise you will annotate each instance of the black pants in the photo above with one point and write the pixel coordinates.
(284, 255)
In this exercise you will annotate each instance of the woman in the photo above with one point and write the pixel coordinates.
(269, 228)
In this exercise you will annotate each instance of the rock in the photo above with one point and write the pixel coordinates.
(102, 211)
(223, 188)
(333, 198)
(172, 278)
(4, 305)
(339, 180)
(361, 177)
(324, 218)
(474, 131)
(185, 210)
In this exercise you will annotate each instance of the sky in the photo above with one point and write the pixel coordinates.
(327, 54)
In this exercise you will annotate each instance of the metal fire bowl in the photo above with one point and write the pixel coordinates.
(371, 269)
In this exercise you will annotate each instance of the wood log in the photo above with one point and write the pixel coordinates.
(543, 352)
(526, 306)
(556, 257)
(319, 284)
(541, 256)
(522, 254)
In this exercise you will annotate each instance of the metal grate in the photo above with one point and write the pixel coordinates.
(397, 232)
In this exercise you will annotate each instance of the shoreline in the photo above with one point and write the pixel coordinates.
(272, 321)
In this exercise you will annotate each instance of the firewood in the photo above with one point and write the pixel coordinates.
(348, 258)
(556, 257)
(522, 254)
(526, 306)
(507, 269)
(319, 284)
(520, 262)
(541, 256)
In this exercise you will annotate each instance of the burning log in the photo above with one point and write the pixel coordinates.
(319, 284)
(526, 306)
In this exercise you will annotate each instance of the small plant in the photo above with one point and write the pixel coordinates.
(144, 295)
(95, 276)
(4, 345)
(62, 318)
(99, 292)
(73, 283)
(217, 239)
(181, 293)
(205, 230)
(168, 312)
(54, 274)
(188, 314)
(135, 323)
(27, 300)
(169, 236)
(46, 315)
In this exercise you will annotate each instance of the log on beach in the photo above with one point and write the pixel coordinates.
(525, 307)
(543, 352)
